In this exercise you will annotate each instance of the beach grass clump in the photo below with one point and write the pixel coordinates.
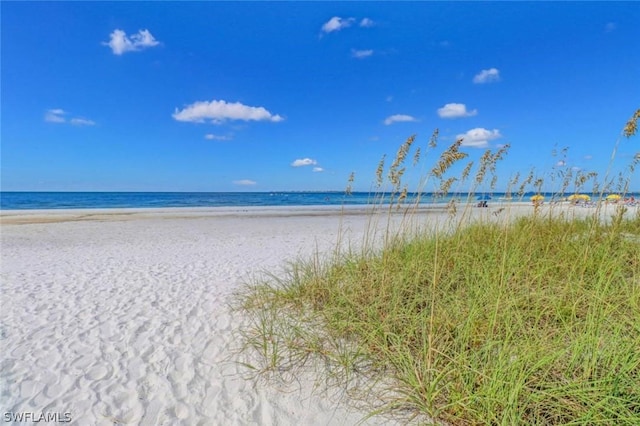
(499, 320)
(532, 322)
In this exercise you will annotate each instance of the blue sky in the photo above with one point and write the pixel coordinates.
(240, 96)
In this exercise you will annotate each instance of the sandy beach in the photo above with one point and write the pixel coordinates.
(122, 316)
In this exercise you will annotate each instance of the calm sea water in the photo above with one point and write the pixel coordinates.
(81, 200)
(91, 200)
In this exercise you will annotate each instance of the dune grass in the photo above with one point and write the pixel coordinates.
(504, 320)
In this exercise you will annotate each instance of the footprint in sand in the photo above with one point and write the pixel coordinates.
(60, 387)
(82, 362)
(28, 388)
(98, 372)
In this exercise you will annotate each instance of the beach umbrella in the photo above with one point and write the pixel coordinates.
(613, 197)
(537, 197)
(579, 197)
(484, 197)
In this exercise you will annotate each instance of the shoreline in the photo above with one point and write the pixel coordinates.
(28, 216)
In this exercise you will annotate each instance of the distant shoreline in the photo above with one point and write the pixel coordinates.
(69, 215)
(32, 216)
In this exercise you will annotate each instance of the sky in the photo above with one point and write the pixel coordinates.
(295, 96)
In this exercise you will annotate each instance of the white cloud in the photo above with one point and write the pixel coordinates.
(82, 122)
(120, 43)
(212, 137)
(336, 24)
(318, 169)
(576, 169)
(245, 182)
(220, 111)
(561, 163)
(54, 116)
(360, 54)
(304, 162)
(398, 118)
(478, 137)
(366, 23)
(456, 111)
(588, 157)
(487, 76)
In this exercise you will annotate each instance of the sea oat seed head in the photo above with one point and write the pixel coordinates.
(466, 171)
(631, 127)
(379, 171)
(416, 156)
(434, 139)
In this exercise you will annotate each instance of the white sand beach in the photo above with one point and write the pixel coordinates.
(122, 316)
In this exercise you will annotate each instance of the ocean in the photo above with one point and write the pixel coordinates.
(94, 200)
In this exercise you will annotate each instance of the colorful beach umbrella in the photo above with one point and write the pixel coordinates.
(613, 197)
(537, 197)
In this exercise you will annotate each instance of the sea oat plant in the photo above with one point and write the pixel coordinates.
(511, 320)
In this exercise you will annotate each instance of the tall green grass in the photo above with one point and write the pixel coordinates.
(503, 320)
